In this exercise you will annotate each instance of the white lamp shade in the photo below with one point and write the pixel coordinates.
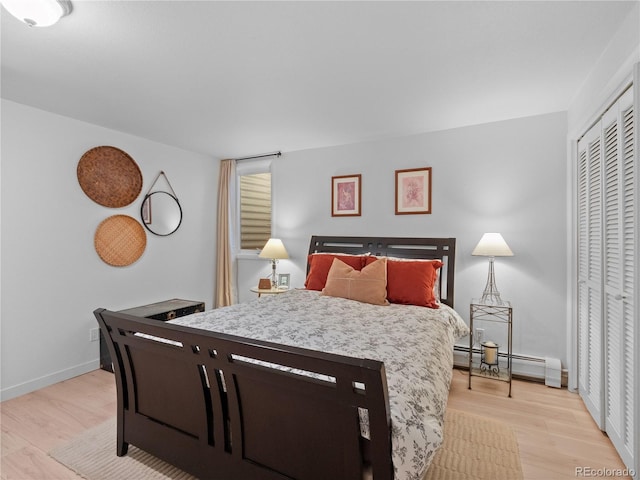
(274, 248)
(492, 245)
(38, 13)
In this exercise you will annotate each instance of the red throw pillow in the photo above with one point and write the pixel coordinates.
(412, 282)
(319, 265)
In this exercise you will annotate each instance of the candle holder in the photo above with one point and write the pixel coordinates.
(489, 363)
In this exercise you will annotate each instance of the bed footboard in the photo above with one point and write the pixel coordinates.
(225, 407)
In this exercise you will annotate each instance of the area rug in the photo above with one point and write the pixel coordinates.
(474, 448)
(92, 455)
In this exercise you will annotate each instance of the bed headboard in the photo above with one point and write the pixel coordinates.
(443, 249)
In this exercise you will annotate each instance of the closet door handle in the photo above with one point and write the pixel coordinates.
(620, 297)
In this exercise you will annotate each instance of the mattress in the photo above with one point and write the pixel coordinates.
(415, 344)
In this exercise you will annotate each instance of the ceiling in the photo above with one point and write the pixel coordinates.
(231, 79)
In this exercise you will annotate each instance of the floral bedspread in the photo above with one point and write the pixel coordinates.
(415, 344)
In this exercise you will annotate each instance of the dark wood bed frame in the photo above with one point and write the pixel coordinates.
(196, 401)
(425, 248)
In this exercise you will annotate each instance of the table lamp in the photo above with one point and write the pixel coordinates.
(492, 245)
(274, 249)
(40, 13)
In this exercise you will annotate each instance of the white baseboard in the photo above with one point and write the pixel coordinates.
(33, 385)
(525, 366)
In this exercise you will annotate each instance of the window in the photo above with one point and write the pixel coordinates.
(254, 188)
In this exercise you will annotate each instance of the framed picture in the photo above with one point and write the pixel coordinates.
(413, 191)
(345, 196)
(283, 280)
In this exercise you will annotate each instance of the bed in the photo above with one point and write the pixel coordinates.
(294, 386)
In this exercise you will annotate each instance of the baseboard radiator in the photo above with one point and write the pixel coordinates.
(545, 370)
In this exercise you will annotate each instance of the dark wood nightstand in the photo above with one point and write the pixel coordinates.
(163, 311)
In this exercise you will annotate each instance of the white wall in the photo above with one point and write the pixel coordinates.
(613, 68)
(52, 278)
(508, 177)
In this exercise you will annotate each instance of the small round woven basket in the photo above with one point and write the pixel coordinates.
(120, 240)
(109, 176)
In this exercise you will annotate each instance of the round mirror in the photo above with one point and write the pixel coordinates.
(161, 213)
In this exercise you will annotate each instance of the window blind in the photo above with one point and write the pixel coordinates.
(255, 210)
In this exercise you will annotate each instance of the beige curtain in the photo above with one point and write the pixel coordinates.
(224, 294)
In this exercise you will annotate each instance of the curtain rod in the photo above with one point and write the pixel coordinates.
(274, 154)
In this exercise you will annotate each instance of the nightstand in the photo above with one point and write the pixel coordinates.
(486, 360)
(162, 311)
(268, 291)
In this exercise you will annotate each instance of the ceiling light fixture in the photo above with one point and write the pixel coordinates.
(38, 13)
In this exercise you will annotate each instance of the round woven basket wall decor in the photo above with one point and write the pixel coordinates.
(120, 240)
(109, 176)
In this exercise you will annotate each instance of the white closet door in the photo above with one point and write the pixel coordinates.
(607, 250)
(619, 272)
(590, 331)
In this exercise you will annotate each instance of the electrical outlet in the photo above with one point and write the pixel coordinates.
(94, 334)
(479, 335)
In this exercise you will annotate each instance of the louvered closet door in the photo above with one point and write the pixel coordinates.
(619, 273)
(607, 236)
(590, 325)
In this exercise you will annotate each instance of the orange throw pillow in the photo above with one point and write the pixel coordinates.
(368, 285)
(320, 265)
(411, 283)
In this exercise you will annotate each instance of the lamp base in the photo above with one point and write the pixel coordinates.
(491, 295)
(274, 279)
(492, 299)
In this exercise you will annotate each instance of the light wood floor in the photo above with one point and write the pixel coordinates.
(555, 433)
